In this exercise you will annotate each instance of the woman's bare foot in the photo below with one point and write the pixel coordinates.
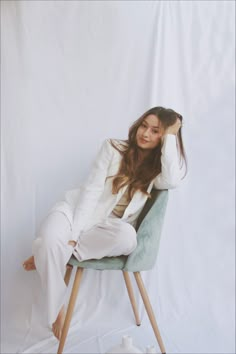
(29, 264)
(58, 324)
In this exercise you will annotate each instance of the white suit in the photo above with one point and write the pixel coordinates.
(85, 217)
(93, 202)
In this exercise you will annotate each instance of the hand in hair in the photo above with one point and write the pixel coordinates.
(174, 128)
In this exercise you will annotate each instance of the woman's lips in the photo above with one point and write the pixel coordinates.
(143, 141)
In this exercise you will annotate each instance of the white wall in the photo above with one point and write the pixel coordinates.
(76, 72)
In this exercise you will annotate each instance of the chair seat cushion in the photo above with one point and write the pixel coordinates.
(108, 263)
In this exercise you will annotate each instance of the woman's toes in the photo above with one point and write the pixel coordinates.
(29, 264)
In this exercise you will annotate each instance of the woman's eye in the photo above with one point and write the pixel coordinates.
(155, 131)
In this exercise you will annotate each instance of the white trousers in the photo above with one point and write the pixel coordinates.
(51, 251)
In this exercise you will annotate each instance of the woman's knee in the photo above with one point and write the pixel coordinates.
(132, 242)
(129, 237)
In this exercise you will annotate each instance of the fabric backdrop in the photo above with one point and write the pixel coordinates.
(75, 73)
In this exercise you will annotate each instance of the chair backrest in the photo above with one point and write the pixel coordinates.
(149, 227)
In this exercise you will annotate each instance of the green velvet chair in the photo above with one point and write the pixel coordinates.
(143, 258)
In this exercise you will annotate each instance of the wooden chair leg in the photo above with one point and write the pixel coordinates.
(70, 309)
(149, 310)
(68, 274)
(131, 296)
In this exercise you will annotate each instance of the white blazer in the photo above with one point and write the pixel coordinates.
(94, 201)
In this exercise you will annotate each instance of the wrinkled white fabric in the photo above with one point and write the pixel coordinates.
(74, 73)
(112, 237)
(51, 253)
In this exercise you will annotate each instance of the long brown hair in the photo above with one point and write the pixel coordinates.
(138, 175)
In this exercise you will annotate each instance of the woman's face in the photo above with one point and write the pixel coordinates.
(149, 133)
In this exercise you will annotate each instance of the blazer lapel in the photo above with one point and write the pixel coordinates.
(120, 193)
(137, 202)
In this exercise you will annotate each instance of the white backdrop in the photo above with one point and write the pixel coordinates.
(75, 73)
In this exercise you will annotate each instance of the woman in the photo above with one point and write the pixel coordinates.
(98, 219)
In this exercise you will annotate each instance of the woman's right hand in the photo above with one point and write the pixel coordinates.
(173, 129)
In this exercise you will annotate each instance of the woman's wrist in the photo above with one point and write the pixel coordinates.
(169, 133)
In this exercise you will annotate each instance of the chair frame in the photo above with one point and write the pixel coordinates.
(142, 290)
(149, 212)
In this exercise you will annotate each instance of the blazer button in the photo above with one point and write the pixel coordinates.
(129, 216)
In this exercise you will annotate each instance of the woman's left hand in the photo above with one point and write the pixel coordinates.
(72, 243)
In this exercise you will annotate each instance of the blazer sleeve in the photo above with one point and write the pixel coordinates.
(171, 173)
(92, 189)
